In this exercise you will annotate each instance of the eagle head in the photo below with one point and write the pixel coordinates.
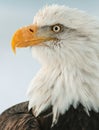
(66, 42)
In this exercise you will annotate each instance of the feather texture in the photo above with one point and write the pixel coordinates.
(69, 73)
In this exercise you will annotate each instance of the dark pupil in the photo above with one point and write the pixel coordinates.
(56, 28)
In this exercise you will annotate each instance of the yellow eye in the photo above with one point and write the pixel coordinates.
(56, 28)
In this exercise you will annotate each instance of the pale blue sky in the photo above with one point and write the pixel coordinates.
(17, 71)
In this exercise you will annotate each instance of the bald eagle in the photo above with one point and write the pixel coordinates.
(64, 95)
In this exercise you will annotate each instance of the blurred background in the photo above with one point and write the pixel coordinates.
(16, 71)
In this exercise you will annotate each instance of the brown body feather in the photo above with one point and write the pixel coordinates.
(18, 118)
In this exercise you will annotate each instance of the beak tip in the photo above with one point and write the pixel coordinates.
(13, 45)
(14, 50)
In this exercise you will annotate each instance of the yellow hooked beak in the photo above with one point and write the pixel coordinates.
(27, 36)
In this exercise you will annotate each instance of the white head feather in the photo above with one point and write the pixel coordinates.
(70, 66)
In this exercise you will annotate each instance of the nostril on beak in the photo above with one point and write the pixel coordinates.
(31, 30)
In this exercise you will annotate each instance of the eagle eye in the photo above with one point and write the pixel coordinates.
(56, 28)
